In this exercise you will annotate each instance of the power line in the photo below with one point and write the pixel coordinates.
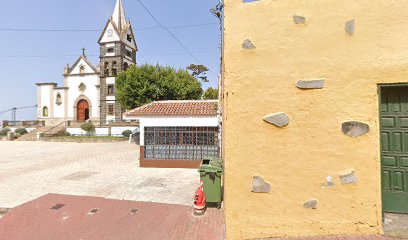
(171, 34)
(207, 50)
(98, 30)
(18, 108)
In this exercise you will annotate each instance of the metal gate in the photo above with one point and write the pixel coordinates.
(180, 143)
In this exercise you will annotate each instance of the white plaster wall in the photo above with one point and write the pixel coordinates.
(82, 62)
(80, 132)
(110, 80)
(45, 91)
(91, 92)
(179, 121)
(28, 129)
(113, 38)
(132, 44)
(117, 131)
(59, 110)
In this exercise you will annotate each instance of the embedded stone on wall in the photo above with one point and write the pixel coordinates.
(328, 183)
(259, 185)
(310, 204)
(299, 19)
(278, 119)
(348, 177)
(350, 27)
(310, 84)
(247, 44)
(354, 128)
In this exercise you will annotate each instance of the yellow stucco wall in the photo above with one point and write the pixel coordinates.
(296, 159)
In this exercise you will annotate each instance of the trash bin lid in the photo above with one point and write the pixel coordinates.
(210, 169)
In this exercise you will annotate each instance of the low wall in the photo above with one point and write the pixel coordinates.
(102, 131)
(13, 129)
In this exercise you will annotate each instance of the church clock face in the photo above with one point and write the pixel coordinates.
(110, 33)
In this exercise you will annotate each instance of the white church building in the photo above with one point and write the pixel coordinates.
(89, 92)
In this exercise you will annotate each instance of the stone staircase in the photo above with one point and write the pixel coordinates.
(49, 131)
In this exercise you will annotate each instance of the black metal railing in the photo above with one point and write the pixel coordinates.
(180, 143)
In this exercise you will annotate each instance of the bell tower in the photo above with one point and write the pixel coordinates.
(117, 52)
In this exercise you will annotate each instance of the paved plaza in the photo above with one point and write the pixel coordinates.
(29, 170)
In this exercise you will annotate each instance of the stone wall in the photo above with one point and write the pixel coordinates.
(301, 113)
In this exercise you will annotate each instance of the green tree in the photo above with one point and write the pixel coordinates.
(198, 71)
(210, 94)
(139, 85)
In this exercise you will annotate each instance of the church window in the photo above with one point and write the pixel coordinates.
(129, 38)
(107, 72)
(111, 90)
(110, 110)
(110, 33)
(114, 64)
(59, 99)
(82, 69)
(45, 111)
(114, 72)
(125, 66)
(110, 50)
(128, 53)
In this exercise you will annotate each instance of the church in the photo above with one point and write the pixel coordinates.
(89, 92)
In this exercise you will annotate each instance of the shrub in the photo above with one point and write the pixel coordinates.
(88, 128)
(67, 134)
(4, 131)
(21, 131)
(126, 133)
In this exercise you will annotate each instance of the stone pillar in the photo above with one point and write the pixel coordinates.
(11, 136)
(40, 136)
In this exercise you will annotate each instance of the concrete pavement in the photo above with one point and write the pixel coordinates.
(29, 170)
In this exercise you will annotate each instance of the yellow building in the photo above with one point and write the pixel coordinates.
(310, 107)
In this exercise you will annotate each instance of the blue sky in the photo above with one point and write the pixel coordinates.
(29, 57)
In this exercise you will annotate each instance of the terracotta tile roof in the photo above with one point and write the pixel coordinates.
(176, 108)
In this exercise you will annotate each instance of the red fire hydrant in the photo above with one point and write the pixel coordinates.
(199, 200)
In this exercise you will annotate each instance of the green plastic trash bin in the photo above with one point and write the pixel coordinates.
(211, 171)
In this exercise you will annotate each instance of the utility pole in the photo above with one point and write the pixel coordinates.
(218, 12)
(14, 115)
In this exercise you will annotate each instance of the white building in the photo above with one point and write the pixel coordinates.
(89, 92)
(177, 134)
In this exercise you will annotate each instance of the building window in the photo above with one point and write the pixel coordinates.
(114, 72)
(110, 110)
(45, 111)
(128, 53)
(110, 50)
(125, 66)
(59, 99)
(111, 90)
(114, 64)
(82, 70)
(181, 143)
(129, 38)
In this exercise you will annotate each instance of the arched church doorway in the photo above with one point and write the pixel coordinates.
(82, 110)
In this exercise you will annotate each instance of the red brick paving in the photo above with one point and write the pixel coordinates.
(113, 220)
(351, 237)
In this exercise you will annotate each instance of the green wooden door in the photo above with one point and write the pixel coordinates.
(394, 148)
